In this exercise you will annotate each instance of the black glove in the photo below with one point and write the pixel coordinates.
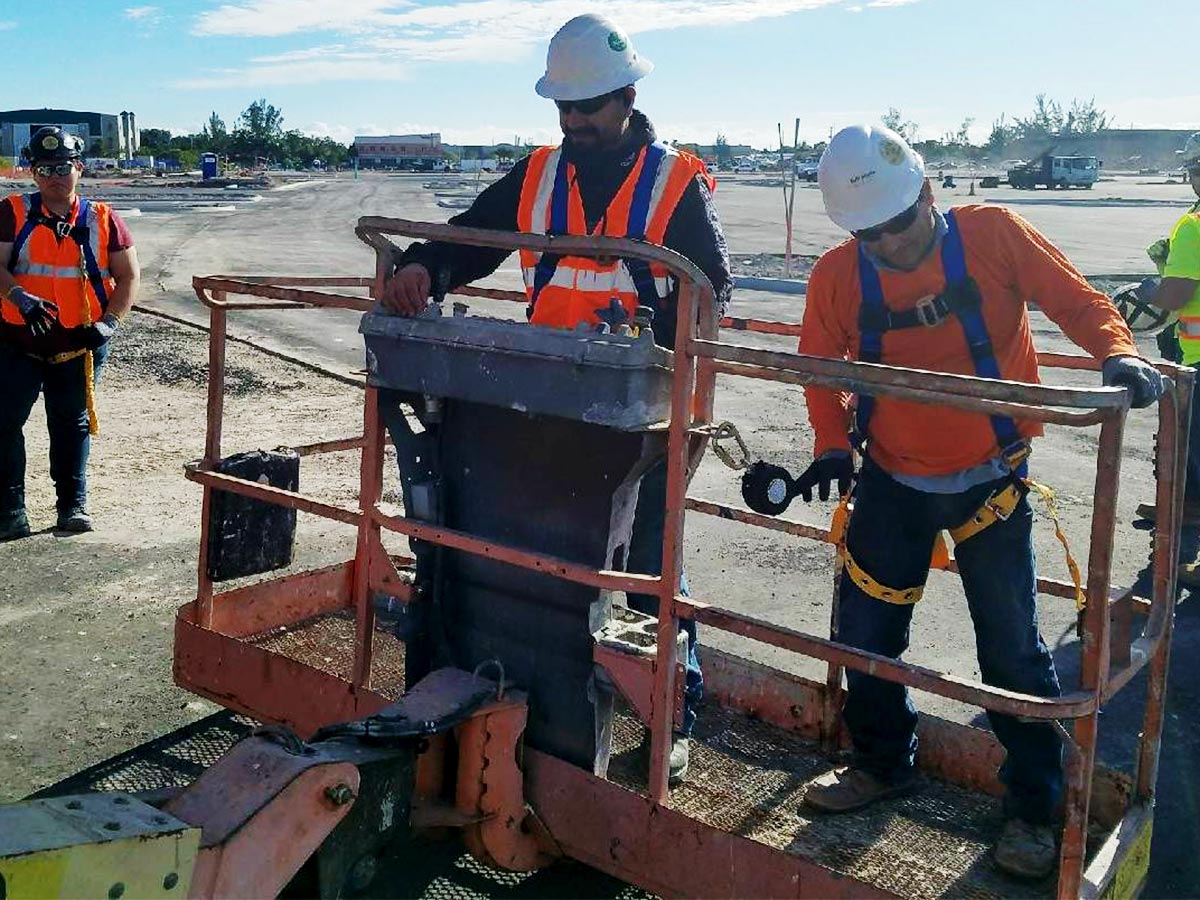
(40, 315)
(837, 465)
(1143, 380)
(768, 489)
(96, 335)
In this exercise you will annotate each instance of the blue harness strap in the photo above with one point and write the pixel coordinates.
(970, 316)
(31, 221)
(639, 214)
(548, 262)
(870, 339)
(80, 234)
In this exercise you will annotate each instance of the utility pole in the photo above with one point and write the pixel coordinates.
(789, 193)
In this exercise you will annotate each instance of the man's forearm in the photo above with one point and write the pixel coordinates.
(123, 296)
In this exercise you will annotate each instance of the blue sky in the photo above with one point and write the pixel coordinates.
(466, 69)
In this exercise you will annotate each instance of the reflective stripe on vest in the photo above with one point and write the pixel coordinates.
(1189, 328)
(565, 291)
(870, 346)
(57, 270)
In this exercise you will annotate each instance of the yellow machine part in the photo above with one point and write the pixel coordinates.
(94, 845)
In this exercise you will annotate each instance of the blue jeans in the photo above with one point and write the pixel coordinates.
(62, 385)
(645, 557)
(891, 537)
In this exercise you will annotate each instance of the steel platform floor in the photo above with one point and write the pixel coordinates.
(746, 777)
(326, 642)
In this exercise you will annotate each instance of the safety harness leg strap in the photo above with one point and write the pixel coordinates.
(873, 588)
(996, 508)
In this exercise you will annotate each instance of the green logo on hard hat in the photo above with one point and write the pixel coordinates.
(616, 42)
(891, 152)
(49, 142)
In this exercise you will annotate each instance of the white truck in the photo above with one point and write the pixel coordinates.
(1056, 172)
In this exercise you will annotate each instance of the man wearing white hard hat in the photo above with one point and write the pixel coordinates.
(946, 291)
(610, 176)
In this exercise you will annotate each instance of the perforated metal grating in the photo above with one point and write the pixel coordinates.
(326, 642)
(173, 760)
(747, 777)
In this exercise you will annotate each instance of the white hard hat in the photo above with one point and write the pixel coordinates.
(590, 56)
(1191, 150)
(868, 174)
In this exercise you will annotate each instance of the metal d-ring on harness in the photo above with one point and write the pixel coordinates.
(961, 299)
(89, 274)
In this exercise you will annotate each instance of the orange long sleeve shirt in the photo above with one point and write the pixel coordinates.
(1012, 263)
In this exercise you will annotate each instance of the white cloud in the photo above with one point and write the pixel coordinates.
(520, 20)
(309, 71)
(141, 13)
(386, 31)
(8, 25)
(267, 18)
(878, 4)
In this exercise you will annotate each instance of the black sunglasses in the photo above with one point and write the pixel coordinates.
(894, 225)
(45, 170)
(589, 106)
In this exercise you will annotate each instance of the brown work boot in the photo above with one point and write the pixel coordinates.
(1026, 850)
(847, 789)
(1191, 512)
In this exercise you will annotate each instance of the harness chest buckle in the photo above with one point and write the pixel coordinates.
(927, 312)
(62, 228)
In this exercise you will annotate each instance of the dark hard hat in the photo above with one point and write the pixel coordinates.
(52, 143)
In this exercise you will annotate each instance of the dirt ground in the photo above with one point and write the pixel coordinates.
(86, 620)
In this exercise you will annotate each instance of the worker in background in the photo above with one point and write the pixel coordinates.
(919, 288)
(70, 273)
(1179, 292)
(612, 177)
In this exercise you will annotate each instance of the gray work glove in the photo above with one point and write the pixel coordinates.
(97, 334)
(1143, 380)
(40, 315)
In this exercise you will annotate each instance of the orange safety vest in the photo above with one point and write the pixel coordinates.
(564, 291)
(72, 272)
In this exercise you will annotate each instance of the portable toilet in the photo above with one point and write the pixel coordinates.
(208, 165)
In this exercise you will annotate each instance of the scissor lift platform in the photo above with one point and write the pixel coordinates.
(305, 650)
(746, 778)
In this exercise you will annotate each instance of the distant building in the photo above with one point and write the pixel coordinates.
(422, 152)
(103, 134)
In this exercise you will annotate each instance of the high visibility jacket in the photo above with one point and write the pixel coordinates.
(564, 291)
(1183, 261)
(72, 272)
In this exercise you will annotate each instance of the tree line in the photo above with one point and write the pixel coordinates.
(257, 138)
(1048, 121)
